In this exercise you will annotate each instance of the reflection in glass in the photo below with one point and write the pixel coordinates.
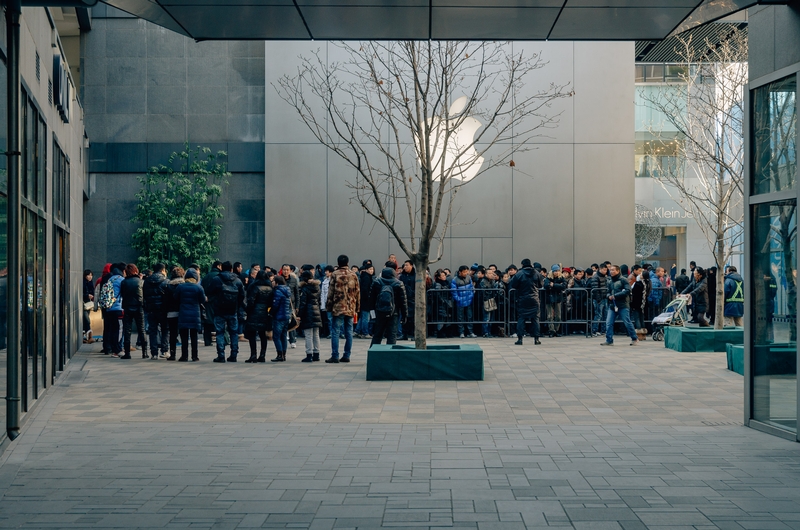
(774, 314)
(775, 136)
(3, 298)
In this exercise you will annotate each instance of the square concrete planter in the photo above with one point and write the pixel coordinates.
(447, 362)
(701, 339)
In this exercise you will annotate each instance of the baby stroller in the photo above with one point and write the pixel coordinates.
(674, 314)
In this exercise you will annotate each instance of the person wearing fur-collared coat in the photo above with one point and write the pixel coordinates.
(310, 314)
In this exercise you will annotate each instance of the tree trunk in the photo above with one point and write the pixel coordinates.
(719, 319)
(420, 306)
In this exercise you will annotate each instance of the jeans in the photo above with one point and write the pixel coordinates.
(87, 322)
(279, 335)
(624, 314)
(158, 332)
(385, 324)
(127, 319)
(487, 316)
(464, 315)
(172, 326)
(111, 332)
(339, 322)
(186, 335)
(312, 341)
(221, 322)
(362, 328)
(600, 307)
(637, 319)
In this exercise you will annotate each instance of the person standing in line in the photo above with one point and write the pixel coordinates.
(388, 297)
(640, 292)
(463, 294)
(281, 315)
(408, 276)
(734, 298)
(154, 291)
(618, 296)
(176, 277)
(133, 310)
(310, 314)
(554, 287)
(327, 271)
(258, 303)
(88, 298)
(489, 291)
(114, 312)
(208, 323)
(526, 282)
(190, 298)
(698, 290)
(344, 301)
(365, 278)
(228, 294)
(293, 284)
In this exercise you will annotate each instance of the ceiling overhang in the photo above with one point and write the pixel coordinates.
(432, 19)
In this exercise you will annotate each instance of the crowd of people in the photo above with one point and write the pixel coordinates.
(175, 307)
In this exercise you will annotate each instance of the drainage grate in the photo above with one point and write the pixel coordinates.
(722, 423)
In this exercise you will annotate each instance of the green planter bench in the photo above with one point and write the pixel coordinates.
(447, 362)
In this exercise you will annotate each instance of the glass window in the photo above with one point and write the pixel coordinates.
(41, 164)
(774, 313)
(3, 298)
(654, 73)
(639, 73)
(775, 136)
(676, 72)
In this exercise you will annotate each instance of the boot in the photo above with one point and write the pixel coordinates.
(309, 358)
(536, 340)
(519, 342)
(263, 357)
(252, 358)
(315, 357)
(280, 357)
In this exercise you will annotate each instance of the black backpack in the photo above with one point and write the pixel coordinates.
(229, 297)
(385, 301)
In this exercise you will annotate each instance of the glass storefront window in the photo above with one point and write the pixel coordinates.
(775, 136)
(773, 321)
(3, 298)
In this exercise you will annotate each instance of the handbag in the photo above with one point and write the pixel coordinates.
(490, 305)
(294, 320)
(88, 306)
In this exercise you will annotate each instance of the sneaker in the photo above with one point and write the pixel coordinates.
(512, 336)
(461, 336)
(293, 345)
(332, 361)
(606, 344)
(115, 355)
(357, 336)
(472, 336)
(366, 336)
(127, 356)
(634, 342)
(163, 355)
(344, 360)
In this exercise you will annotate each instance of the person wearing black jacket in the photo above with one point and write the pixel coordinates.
(310, 314)
(208, 323)
(386, 321)
(527, 282)
(130, 291)
(408, 277)
(598, 287)
(227, 293)
(365, 279)
(154, 292)
(88, 297)
(698, 290)
(618, 296)
(259, 321)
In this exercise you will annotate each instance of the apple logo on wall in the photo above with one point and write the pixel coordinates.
(461, 162)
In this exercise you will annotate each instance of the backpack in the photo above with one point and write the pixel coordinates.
(228, 297)
(107, 298)
(385, 301)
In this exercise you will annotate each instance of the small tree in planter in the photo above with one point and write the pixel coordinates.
(417, 120)
(178, 209)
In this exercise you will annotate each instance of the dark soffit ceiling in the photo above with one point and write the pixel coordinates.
(432, 19)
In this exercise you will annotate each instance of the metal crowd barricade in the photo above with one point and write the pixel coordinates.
(656, 304)
(577, 313)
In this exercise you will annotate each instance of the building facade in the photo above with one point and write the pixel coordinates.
(53, 193)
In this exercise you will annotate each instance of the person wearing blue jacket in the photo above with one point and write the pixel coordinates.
(114, 313)
(463, 293)
(190, 298)
(281, 314)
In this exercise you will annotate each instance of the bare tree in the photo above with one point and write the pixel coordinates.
(417, 120)
(706, 110)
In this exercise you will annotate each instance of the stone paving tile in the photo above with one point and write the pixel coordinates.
(563, 436)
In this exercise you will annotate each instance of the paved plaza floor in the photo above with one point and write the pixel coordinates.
(567, 434)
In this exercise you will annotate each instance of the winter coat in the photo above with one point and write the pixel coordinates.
(409, 281)
(598, 286)
(577, 295)
(399, 290)
(154, 291)
(258, 304)
(621, 289)
(215, 292)
(88, 290)
(344, 293)
(309, 310)
(365, 280)
(638, 296)
(489, 289)
(323, 295)
(526, 282)
(131, 292)
(173, 304)
(734, 295)
(189, 297)
(116, 280)
(441, 301)
(463, 291)
(699, 292)
(654, 298)
(206, 284)
(554, 290)
(682, 282)
(281, 304)
(293, 284)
